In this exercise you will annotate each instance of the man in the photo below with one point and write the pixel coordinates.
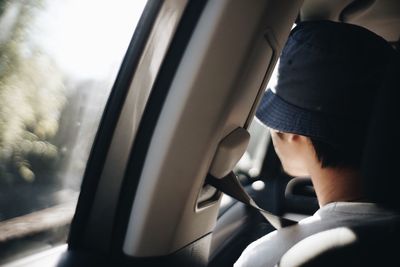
(318, 116)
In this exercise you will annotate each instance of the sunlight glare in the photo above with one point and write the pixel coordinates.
(87, 37)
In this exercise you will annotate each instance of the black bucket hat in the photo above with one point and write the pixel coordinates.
(328, 77)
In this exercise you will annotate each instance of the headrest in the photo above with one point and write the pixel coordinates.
(382, 150)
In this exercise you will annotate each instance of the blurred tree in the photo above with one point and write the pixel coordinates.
(32, 96)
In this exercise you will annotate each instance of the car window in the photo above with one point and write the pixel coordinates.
(58, 62)
(251, 163)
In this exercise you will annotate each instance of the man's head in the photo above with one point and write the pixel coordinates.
(328, 77)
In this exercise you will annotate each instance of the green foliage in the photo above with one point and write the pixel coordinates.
(31, 97)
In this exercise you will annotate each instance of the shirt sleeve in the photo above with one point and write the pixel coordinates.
(252, 256)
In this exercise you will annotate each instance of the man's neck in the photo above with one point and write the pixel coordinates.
(337, 184)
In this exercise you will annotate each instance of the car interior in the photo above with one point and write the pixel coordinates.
(187, 88)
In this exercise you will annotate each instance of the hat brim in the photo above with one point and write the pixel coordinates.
(280, 115)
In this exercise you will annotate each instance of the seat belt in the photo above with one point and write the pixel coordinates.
(231, 186)
(230, 149)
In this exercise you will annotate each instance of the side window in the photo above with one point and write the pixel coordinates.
(250, 164)
(58, 62)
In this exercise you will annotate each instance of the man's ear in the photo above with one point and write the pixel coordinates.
(296, 139)
(292, 138)
(289, 137)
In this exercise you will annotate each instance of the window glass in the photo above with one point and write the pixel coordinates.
(250, 164)
(249, 167)
(58, 62)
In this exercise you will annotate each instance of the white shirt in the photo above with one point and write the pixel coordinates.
(268, 250)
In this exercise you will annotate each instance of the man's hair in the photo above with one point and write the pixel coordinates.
(348, 154)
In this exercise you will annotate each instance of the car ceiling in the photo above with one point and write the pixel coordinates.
(379, 16)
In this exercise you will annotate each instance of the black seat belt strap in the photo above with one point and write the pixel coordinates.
(231, 186)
